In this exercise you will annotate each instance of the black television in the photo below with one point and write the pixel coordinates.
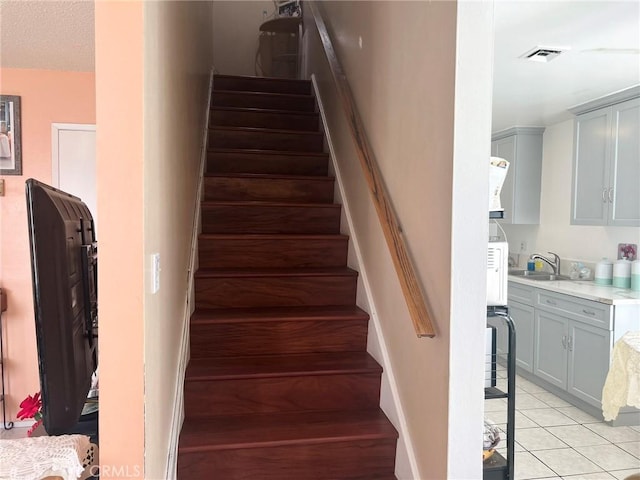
(64, 268)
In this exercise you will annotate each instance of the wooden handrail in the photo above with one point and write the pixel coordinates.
(413, 294)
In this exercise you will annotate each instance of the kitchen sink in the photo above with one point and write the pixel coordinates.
(539, 276)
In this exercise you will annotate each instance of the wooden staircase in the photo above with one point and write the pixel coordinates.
(279, 385)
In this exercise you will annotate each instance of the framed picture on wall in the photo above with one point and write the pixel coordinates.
(10, 139)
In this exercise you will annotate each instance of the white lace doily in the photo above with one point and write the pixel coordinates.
(622, 386)
(35, 458)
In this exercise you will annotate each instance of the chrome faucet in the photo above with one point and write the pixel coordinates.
(555, 264)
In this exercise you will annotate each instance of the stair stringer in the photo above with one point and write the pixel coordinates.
(177, 417)
(406, 465)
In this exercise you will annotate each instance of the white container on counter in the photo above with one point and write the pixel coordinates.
(604, 272)
(635, 276)
(622, 274)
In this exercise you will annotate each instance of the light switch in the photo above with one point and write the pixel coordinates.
(155, 273)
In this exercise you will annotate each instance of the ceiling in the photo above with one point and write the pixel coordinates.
(604, 37)
(49, 35)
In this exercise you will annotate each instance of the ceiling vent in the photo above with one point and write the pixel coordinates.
(543, 54)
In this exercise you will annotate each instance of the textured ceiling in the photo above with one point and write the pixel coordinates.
(50, 35)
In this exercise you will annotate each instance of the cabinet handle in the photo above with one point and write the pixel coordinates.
(611, 195)
(570, 343)
(551, 302)
(604, 195)
(564, 341)
(588, 312)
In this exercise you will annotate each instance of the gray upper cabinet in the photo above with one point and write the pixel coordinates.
(606, 165)
(520, 196)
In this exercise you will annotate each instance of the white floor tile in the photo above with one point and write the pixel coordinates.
(527, 401)
(632, 447)
(527, 466)
(577, 435)
(495, 405)
(578, 415)
(530, 387)
(589, 476)
(636, 428)
(538, 439)
(552, 400)
(615, 434)
(609, 457)
(566, 461)
(524, 422)
(622, 474)
(548, 417)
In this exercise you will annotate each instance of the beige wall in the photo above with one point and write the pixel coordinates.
(236, 26)
(177, 63)
(414, 78)
(554, 232)
(414, 151)
(46, 97)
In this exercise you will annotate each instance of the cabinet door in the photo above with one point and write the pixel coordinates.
(624, 197)
(506, 148)
(523, 319)
(550, 343)
(589, 349)
(590, 200)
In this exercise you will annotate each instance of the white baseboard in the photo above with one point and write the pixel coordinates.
(381, 353)
(178, 401)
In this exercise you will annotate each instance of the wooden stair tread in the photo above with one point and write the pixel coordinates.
(258, 151)
(272, 236)
(299, 313)
(264, 131)
(262, 430)
(263, 110)
(264, 203)
(265, 94)
(269, 366)
(271, 176)
(270, 79)
(275, 272)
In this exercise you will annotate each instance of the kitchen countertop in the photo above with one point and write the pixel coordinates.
(584, 289)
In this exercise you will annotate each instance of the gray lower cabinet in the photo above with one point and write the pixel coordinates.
(550, 340)
(523, 320)
(588, 362)
(565, 340)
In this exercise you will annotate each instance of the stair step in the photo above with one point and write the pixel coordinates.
(264, 161)
(272, 251)
(261, 118)
(278, 188)
(304, 446)
(265, 139)
(271, 101)
(261, 84)
(273, 331)
(270, 217)
(281, 383)
(222, 288)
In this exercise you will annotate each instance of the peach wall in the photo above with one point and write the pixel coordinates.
(46, 97)
(120, 153)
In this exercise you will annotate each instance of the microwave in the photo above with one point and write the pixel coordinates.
(497, 271)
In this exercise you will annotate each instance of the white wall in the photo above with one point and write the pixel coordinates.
(571, 242)
(236, 27)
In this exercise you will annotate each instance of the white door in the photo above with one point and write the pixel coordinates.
(74, 162)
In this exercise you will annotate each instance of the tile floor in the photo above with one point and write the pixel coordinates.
(555, 440)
